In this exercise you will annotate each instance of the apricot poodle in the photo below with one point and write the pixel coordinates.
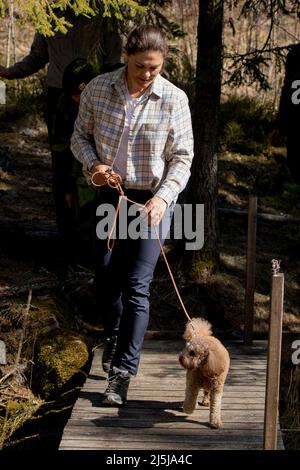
(207, 362)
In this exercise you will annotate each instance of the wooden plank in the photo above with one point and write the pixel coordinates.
(91, 420)
(71, 444)
(175, 395)
(95, 399)
(117, 434)
(121, 433)
(135, 414)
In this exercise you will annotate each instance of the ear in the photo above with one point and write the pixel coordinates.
(188, 333)
(214, 363)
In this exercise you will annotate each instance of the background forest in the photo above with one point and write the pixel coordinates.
(255, 37)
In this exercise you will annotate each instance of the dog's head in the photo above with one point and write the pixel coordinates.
(202, 350)
(193, 355)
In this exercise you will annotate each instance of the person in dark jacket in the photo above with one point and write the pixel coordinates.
(74, 196)
(98, 39)
(288, 120)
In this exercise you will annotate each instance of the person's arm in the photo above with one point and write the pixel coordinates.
(180, 152)
(32, 63)
(285, 104)
(82, 140)
(83, 144)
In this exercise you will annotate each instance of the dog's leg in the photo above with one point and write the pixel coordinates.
(215, 408)
(191, 392)
(206, 398)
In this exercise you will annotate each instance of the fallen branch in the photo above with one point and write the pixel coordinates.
(16, 291)
(23, 329)
(6, 376)
(261, 215)
(15, 395)
(17, 362)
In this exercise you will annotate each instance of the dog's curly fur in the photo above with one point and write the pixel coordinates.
(206, 361)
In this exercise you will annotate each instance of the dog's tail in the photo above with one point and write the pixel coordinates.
(197, 326)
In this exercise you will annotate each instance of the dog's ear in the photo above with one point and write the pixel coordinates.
(214, 363)
(188, 333)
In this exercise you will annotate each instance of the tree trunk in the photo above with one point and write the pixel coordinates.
(202, 187)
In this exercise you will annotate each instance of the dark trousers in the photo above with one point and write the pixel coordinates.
(61, 176)
(293, 154)
(123, 278)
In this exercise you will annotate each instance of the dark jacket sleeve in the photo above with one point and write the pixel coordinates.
(288, 110)
(33, 62)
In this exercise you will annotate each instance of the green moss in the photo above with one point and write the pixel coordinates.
(58, 360)
(17, 413)
(201, 269)
(51, 310)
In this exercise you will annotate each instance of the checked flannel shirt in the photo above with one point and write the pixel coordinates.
(160, 144)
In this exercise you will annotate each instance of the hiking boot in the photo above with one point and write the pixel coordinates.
(108, 352)
(118, 383)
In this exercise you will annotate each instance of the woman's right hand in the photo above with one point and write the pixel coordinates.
(98, 175)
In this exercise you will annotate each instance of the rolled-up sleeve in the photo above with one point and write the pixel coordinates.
(82, 140)
(180, 152)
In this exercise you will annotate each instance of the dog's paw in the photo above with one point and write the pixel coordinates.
(216, 424)
(205, 402)
(187, 409)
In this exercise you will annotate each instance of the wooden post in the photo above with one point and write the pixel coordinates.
(250, 269)
(274, 357)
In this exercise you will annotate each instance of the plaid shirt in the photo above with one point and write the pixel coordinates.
(160, 144)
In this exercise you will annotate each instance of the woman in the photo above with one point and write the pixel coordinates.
(137, 124)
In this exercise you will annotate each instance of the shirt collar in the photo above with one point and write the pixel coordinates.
(118, 82)
(157, 86)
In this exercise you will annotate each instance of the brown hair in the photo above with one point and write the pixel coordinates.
(146, 38)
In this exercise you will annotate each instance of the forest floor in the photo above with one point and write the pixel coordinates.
(31, 257)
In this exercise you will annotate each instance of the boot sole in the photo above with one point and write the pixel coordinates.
(111, 400)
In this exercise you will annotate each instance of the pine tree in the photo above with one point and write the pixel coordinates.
(49, 16)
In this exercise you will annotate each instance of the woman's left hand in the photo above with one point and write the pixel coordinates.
(155, 208)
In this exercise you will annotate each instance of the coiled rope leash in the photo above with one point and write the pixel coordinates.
(113, 180)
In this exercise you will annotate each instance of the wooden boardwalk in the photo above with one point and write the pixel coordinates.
(153, 418)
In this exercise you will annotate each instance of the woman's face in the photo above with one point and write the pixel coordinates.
(142, 68)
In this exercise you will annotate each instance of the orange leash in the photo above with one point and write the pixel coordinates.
(113, 181)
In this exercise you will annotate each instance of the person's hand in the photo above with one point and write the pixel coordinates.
(155, 208)
(3, 72)
(98, 175)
